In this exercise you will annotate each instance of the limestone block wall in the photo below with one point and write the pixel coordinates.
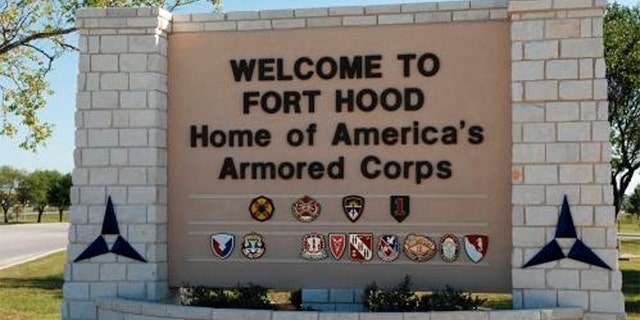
(120, 152)
(561, 147)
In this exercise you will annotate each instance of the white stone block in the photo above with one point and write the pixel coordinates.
(117, 157)
(104, 100)
(132, 290)
(157, 63)
(517, 51)
(144, 43)
(395, 18)
(133, 62)
(114, 81)
(103, 137)
(346, 11)
(591, 194)
(312, 12)
(145, 157)
(539, 132)
(148, 81)
(612, 302)
(453, 5)
(604, 216)
(541, 90)
(528, 153)
(572, 298)
(104, 63)
(527, 30)
(514, 314)
(96, 119)
(528, 278)
(523, 194)
(243, 15)
(563, 279)
(428, 17)
(359, 21)
(555, 194)
(498, 14)
(324, 22)
(133, 100)
(572, 4)
(382, 9)
(586, 68)
(581, 48)
(540, 298)
(590, 152)
(288, 23)
(113, 44)
(541, 216)
(275, 14)
(254, 25)
(82, 310)
(576, 173)
(95, 157)
(516, 6)
(470, 15)
(85, 272)
(221, 26)
(576, 89)
(600, 89)
(110, 25)
(541, 50)
(562, 111)
(103, 176)
(541, 174)
(562, 28)
(574, 131)
(188, 27)
(419, 7)
(133, 138)
(562, 69)
(527, 70)
(594, 237)
(528, 237)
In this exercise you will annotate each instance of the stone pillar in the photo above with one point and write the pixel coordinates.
(121, 122)
(561, 147)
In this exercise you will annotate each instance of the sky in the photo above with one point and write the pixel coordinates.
(57, 154)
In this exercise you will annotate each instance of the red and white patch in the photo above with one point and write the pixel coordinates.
(360, 246)
(337, 244)
(476, 246)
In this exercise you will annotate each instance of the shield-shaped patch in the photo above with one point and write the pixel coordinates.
(353, 207)
(222, 244)
(261, 208)
(388, 247)
(253, 246)
(476, 246)
(337, 244)
(360, 246)
(399, 207)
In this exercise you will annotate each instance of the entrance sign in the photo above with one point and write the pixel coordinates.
(414, 120)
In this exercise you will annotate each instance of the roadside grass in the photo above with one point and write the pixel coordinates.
(631, 278)
(32, 291)
(628, 223)
(32, 217)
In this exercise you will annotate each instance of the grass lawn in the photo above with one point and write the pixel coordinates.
(628, 224)
(47, 216)
(631, 279)
(32, 291)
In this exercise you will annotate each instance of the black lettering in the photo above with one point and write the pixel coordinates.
(280, 68)
(348, 100)
(424, 170)
(265, 69)
(389, 136)
(286, 170)
(425, 135)
(449, 135)
(203, 136)
(228, 169)
(335, 169)
(341, 135)
(277, 102)
(476, 135)
(248, 102)
(428, 69)
(326, 74)
(266, 170)
(316, 170)
(363, 96)
(243, 69)
(372, 66)
(262, 137)
(218, 138)
(297, 66)
(444, 170)
(350, 70)
(396, 99)
(413, 99)
(406, 63)
(366, 136)
(311, 94)
(364, 167)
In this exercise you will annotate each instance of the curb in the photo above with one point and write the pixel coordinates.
(33, 258)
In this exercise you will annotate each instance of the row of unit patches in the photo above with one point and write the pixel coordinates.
(360, 247)
(307, 209)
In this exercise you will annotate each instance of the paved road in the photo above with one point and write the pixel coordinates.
(20, 242)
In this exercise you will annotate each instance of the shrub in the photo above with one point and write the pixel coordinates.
(241, 297)
(402, 299)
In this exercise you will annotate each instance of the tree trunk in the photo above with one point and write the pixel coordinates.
(40, 212)
(6, 219)
(60, 209)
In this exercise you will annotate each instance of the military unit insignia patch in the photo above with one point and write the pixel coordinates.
(337, 244)
(419, 248)
(353, 207)
(261, 208)
(253, 246)
(476, 246)
(399, 207)
(360, 246)
(222, 244)
(305, 209)
(449, 248)
(388, 247)
(313, 247)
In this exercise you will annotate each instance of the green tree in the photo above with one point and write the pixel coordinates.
(632, 203)
(622, 56)
(36, 187)
(58, 195)
(32, 37)
(10, 179)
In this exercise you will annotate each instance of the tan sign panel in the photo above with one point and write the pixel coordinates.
(412, 121)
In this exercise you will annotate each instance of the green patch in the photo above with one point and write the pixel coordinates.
(628, 223)
(631, 287)
(33, 291)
